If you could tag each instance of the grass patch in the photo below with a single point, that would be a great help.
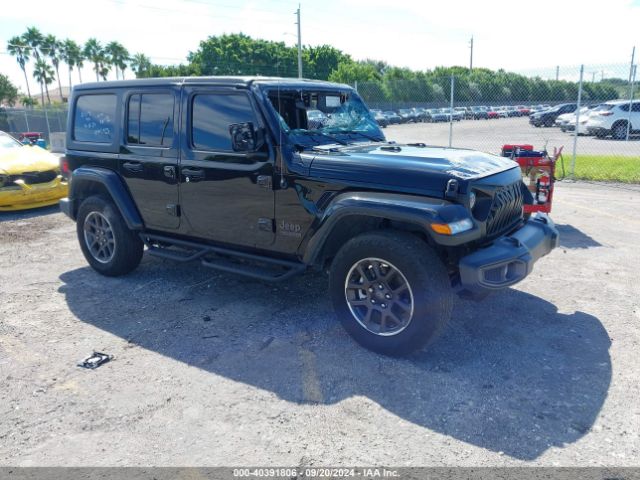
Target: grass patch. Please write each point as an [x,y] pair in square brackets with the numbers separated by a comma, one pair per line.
[603,168]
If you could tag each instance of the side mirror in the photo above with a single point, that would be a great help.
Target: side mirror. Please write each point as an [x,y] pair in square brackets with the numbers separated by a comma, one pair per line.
[245,137]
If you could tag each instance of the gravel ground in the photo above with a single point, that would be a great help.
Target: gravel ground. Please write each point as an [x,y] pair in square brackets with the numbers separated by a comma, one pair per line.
[490,135]
[212,369]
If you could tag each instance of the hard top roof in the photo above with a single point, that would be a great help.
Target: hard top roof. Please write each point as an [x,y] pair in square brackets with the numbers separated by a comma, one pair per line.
[221,81]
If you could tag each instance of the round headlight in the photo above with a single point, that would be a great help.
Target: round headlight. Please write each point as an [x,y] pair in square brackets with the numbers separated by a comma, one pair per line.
[472,199]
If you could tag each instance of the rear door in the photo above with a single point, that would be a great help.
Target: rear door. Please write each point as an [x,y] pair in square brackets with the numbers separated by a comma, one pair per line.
[149,155]
[225,196]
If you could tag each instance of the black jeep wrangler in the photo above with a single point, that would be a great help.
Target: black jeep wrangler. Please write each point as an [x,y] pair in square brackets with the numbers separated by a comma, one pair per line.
[235,173]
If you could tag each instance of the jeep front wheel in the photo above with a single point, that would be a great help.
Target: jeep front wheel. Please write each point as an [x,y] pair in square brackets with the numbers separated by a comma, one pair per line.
[391,292]
[106,242]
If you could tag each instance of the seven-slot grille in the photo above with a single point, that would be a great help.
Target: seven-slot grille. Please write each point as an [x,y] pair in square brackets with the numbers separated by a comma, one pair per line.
[506,208]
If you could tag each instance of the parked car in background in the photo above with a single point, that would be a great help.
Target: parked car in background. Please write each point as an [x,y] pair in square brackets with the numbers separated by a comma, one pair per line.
[29,176]
[546,118]
[407,115]
[492,113]
[380,118]
[613,118]
[479,113]
[392,117]
[456,116]
[512,111]
[462,111]
[437,115]
[524,111]
[421,114]
[316,118]
[567,121]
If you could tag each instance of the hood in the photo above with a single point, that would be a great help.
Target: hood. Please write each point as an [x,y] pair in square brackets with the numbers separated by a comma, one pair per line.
[419,169]
[26,159]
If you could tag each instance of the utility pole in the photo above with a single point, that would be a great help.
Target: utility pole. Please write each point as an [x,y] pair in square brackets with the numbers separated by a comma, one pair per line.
[557,73]
[299,44]
[471,58]
[633,57]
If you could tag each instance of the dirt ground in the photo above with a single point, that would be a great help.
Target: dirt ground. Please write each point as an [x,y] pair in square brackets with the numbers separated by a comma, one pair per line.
[212,369]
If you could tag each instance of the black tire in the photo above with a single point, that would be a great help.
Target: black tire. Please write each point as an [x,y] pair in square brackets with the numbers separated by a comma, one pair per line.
[127,246]
[619,131]
[429,290]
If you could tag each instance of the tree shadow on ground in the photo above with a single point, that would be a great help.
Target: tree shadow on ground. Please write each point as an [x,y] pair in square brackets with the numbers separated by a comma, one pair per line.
[510,374]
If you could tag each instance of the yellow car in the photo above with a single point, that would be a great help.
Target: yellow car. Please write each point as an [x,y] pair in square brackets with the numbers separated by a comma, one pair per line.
[29,176]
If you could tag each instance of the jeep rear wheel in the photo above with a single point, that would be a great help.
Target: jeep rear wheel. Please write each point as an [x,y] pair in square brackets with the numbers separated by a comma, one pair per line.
[106,242]
[391,292]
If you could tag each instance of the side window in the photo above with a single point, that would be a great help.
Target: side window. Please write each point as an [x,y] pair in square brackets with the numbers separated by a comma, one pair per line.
[94,118]
[635,107]
[624,107]
[211,116]
[150,119]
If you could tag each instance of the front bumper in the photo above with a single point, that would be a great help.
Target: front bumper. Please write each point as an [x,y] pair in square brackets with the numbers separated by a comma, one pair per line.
[510,258]
[32,196]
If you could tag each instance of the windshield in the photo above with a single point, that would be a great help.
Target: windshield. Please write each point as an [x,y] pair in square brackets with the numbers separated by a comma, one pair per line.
[7,142]
[322,116]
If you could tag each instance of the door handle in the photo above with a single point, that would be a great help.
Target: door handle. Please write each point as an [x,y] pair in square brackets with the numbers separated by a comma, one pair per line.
[169,171]
[133,166]
[192,174]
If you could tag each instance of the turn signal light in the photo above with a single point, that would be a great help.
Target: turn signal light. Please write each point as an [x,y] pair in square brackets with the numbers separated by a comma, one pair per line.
[453,227]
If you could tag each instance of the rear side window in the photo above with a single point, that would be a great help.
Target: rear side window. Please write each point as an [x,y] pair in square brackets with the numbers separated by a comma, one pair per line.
[150,119]
[94,118]
[211,116]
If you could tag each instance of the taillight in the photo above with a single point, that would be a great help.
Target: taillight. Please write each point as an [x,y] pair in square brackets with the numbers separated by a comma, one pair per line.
[64,167]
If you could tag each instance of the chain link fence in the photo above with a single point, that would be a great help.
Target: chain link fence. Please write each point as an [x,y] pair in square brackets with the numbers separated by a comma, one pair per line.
[545,109]
[484,110]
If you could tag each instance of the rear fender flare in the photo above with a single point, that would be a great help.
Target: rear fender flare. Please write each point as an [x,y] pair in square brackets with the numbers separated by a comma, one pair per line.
[83,177]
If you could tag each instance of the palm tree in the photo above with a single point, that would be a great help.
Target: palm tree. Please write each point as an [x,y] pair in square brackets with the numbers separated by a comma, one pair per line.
[140,64]
[33,37]
[118,56]
[43,73]
[19,49]
[93,51]
[52,48]
[79,60]
[71,53]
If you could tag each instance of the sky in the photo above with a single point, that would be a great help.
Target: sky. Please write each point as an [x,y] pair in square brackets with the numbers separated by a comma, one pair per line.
[528,37]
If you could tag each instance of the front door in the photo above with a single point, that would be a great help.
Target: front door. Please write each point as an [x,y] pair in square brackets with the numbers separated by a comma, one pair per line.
[149,156]
[225,196]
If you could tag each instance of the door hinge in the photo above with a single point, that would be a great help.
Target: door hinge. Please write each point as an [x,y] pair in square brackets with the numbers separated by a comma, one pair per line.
[266,224]
[173,209]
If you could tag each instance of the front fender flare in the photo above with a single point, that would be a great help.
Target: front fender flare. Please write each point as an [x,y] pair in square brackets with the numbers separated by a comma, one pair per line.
[410,209]
[114,186]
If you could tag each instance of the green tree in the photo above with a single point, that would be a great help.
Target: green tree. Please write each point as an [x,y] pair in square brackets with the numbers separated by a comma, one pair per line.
[8,91]
[33,37]
[19,48]
[43,73]
[52,48]
[140,64]
[118,56]
[94,52]
[71,54]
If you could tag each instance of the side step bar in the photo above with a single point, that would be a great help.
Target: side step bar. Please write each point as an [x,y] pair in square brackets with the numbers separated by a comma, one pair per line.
[276,271]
